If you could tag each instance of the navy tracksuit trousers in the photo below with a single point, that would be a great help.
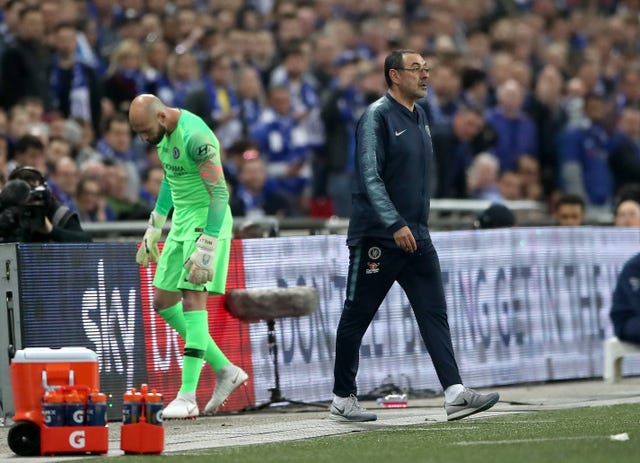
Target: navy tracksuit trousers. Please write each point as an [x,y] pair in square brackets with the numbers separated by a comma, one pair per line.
[372,271]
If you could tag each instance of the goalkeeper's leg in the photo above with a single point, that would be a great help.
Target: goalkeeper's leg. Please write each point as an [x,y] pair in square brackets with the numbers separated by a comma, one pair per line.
[175,317]
[197,337]
[167,301]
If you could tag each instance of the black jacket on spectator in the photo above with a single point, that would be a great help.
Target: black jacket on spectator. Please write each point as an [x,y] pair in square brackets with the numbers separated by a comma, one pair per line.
[452,156]
[550,123]
[624,162]
[95,93]
[24,69]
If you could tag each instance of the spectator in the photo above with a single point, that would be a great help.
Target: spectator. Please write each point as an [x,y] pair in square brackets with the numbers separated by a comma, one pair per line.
[624,159]
[157,70]
[125,77]
[256,195]
[474,88]
[341,107]
[627,214]
[251,98]
[24,63]
[235,156]
[516,132]
[96,169]
[569,210]
[528,168]
[482,178]
[550,117]
[625,302]
[184,76]
[56,149]
[215,100]
[151,181]
[10,23]
[283,142]
[74,86]
[453,152]
[441,102]
[29,151]
[584,158]
[63,182]
[510,186]
[124,206]
[91,202]
[325,52]
[629,94]
[115,145]
[85,149]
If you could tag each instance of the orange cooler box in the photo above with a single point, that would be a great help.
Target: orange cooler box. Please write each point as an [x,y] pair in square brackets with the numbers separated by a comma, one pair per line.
[34,368]
[37,369]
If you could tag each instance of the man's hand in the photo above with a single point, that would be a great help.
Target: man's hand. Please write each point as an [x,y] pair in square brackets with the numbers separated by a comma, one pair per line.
[404,239]
[200,263]
[148,250]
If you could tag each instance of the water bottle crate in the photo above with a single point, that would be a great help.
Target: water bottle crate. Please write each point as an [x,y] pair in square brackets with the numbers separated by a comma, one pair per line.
[74,439]
[141,438]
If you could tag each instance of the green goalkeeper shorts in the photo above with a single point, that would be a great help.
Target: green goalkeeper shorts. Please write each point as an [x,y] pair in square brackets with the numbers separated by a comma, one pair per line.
[171,276]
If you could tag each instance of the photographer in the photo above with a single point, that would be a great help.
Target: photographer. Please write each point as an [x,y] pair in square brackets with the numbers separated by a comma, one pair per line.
[30,214]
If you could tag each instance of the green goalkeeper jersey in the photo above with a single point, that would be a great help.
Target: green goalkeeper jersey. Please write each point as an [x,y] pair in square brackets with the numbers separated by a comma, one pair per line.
[198,207]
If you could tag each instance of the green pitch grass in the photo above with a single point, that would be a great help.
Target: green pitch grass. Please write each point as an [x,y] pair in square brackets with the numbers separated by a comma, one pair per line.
[580,435]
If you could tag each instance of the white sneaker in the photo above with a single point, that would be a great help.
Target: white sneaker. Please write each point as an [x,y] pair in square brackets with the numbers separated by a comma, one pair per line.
[182,407]
[228,379]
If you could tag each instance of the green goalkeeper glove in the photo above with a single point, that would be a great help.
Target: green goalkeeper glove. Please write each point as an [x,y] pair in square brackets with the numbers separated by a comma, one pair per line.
[148,250]
[200,263]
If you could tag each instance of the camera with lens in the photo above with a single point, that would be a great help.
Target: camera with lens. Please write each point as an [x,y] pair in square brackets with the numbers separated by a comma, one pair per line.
[34,211]
[29,213]
[22,210]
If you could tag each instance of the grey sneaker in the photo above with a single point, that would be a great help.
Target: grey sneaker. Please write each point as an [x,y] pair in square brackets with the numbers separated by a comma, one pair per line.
[228,379]
[469,402]
[348,409]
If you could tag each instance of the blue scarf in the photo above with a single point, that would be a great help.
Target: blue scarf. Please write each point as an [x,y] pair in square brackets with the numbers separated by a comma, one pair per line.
[79,101]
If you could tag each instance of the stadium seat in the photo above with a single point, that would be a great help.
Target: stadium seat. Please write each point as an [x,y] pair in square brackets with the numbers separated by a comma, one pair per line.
[614,351]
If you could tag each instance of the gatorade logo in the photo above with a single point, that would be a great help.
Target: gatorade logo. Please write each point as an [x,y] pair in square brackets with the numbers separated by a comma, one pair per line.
[77,439]
[159,416]
[78,416]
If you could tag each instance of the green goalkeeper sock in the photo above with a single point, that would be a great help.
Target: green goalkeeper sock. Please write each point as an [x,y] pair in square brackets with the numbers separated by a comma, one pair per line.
[194,348]
[174,316]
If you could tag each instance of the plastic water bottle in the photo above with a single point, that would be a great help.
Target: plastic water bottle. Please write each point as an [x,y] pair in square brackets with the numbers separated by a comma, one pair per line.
[131,406]
[74,409]
[53,408]
[153,407]
[97,409]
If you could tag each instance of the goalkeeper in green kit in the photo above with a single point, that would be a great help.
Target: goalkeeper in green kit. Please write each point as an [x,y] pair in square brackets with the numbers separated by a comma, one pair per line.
[195,256]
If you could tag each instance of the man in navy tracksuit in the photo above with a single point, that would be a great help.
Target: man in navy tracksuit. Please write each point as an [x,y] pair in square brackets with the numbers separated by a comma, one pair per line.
[625,303]
[389,240]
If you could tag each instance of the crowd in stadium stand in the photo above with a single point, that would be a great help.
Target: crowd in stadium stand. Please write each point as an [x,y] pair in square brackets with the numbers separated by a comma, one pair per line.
[528,99]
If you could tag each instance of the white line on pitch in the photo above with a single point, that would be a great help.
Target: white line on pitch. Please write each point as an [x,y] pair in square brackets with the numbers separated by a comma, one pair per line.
[411,428]
[526,441]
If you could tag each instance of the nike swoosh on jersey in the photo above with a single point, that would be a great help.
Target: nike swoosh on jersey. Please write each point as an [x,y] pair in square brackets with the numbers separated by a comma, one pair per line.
[400,133]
